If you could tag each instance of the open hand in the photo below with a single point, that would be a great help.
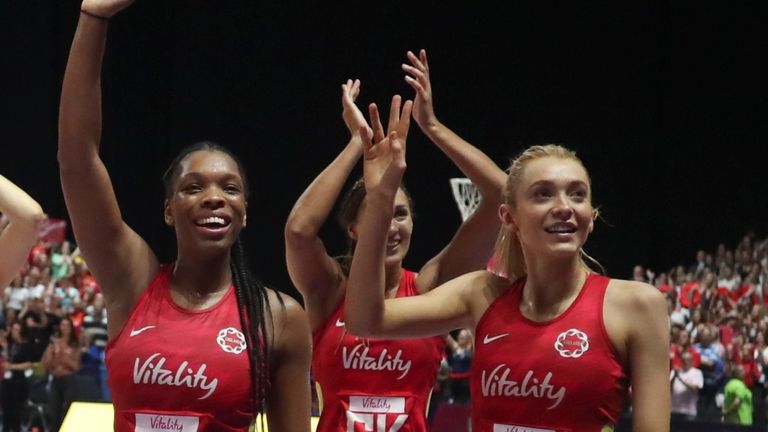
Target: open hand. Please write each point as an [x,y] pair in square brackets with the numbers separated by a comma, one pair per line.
[384,155]
[353,117]
[418,79]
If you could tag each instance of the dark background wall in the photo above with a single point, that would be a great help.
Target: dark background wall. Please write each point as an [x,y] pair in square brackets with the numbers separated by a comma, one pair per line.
[666,102]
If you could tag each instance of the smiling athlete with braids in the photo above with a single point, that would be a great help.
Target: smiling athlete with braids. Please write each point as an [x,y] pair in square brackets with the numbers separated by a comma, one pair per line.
[198,344]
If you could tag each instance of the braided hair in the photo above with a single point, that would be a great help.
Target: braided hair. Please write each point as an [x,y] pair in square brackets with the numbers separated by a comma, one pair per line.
[252,297]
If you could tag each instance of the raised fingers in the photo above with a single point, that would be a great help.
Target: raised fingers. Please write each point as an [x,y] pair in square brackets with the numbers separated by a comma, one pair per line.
[405,121]
[378,129]
[394,113]
[354,88]
[365,136]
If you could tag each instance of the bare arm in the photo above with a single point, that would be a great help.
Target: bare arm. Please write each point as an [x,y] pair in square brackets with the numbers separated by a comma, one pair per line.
[314,273]
[366,311]
[47,359]
[25,218]
[288,401]
[451,342]
[118,257]
[471,246]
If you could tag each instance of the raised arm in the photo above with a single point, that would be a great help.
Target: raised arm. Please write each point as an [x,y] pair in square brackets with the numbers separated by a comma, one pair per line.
[471,246]
[25,218]
[314,273]
[366,312]
[118,257]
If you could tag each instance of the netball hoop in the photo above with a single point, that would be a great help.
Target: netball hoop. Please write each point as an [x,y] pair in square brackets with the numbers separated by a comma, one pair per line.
[466,195]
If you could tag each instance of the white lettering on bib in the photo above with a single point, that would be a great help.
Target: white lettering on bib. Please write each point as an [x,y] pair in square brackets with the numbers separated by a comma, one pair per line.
[376,414]
[512,428]
[165,423]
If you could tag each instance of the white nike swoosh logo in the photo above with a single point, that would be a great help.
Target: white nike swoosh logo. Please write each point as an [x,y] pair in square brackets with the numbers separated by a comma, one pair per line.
[135,332]
[487,339]
[339,322]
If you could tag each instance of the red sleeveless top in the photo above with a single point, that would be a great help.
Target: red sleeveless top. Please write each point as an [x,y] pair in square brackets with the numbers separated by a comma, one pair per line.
[173,369]
[559,375]
[374,384]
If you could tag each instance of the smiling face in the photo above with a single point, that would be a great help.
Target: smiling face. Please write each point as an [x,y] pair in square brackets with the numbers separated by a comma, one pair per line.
[552,211]
[207,204]
[399,232]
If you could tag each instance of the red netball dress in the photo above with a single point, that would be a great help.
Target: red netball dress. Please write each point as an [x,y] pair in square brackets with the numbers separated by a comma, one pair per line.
[175,369]
[559,375]
[373,384]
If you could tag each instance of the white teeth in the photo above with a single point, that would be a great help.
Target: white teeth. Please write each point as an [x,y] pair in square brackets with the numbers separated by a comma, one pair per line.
[561,229]
[211,220]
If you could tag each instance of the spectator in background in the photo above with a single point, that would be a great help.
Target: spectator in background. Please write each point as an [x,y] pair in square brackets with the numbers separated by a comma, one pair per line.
[11,316]
[61,261]
[712,371]
[17,367]
[68,292]
[38,327]
[95,322]
[639,274]
[728,329]
[663,283]
[678,315]
[680,345]
[16,293]
[700,263]
[461,350]
[737,406]
[94,331]
[727,278]
[441,393]
[695,324]
[62,360]
[687,380]
[752,373]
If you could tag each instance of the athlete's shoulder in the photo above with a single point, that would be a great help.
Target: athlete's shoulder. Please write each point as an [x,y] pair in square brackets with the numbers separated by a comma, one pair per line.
[282,306]
[289,322]
[636,301]
[635,293]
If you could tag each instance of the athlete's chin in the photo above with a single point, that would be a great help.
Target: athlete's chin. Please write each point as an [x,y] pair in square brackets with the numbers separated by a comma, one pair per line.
[394,259]
[564,250]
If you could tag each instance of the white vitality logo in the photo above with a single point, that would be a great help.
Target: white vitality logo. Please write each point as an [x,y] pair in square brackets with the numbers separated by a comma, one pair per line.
[376,413]
[498,383]
[164,423]
[153,372]
[358,358]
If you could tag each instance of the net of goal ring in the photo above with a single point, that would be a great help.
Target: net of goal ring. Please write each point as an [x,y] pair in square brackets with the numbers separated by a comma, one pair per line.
[466,195]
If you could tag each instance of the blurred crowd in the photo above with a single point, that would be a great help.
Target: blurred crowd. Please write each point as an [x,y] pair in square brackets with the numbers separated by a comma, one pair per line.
[53,332]
[718,329]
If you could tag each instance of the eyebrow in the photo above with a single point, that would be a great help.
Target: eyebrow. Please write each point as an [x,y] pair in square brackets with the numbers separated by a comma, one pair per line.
[550,182]
[199,175]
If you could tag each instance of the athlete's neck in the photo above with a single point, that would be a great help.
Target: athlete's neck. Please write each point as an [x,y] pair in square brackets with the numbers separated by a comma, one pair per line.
[392,274]
[551,286]
[201,282]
